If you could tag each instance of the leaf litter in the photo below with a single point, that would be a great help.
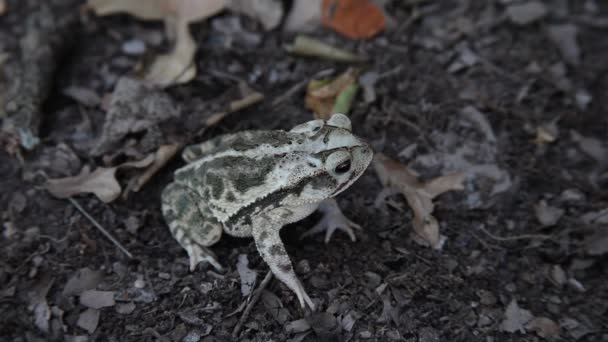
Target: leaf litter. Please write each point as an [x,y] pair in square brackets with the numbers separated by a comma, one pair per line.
[419,195]
[328,96]
[177,66]
[101,182]
[248,276]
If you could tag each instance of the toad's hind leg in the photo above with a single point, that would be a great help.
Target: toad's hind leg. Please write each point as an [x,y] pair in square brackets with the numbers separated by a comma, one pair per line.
[191,224]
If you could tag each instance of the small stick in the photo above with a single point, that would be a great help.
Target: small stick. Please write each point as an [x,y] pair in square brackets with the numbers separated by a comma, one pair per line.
[101,229]
[254,300]
[516,237]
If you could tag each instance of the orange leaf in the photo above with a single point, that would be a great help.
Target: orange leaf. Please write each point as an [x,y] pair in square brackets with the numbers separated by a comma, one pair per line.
[356,19]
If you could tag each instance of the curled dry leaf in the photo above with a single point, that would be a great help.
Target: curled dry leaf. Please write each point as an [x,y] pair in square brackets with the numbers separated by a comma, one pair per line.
[322,95]
[162,156]
[101,182]
[419,195]
[356,19]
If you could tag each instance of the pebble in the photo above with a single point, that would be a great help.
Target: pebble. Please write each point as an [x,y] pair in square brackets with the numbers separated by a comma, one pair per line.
[134,47]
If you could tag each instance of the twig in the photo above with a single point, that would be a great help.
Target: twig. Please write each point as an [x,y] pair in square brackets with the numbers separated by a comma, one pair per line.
[101,229]
[252,303]
[516,237]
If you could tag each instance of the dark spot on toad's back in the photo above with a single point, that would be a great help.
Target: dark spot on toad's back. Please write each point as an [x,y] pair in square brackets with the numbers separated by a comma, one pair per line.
[216,184]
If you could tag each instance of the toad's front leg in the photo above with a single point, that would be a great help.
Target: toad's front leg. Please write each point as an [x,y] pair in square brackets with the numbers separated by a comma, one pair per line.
[268,242]
[333,219]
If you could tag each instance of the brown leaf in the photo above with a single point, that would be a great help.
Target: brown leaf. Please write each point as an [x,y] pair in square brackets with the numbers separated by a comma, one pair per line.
[2,7]
[419,195]
[101,182]
[321,94]
[544,327]
[356,19]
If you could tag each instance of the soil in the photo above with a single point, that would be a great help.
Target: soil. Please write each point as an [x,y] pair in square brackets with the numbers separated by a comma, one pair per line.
[499,266]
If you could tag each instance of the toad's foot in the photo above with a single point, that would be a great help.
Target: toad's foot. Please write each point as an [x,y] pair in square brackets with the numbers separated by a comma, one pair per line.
[333,219]
[198,253]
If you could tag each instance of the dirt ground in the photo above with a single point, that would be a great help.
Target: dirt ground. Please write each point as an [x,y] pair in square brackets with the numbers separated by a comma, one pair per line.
[524,257]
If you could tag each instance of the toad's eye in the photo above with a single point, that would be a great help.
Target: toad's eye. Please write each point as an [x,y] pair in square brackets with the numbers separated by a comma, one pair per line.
[343,167]
[316,129]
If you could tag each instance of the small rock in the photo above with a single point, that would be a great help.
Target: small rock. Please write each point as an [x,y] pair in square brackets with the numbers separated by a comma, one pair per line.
[134,47]
[564,37]
[583,98]
[547,215]
[132,223]
[83,279]
[486,297]
[572,195]
[164,276]
[139,283]
[365,334]
[557,275]
[88,320]
[526,13]
[97,299]
[124,308]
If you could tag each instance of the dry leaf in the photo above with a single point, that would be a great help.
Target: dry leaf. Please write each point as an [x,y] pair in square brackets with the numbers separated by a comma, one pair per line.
[163,155]
[133,108]
[247,275]
[419,195]
[177,66]
[544,327]
[305,16]
[321,94]
[101,182]
[2,7]
[268,12]
[356,19]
